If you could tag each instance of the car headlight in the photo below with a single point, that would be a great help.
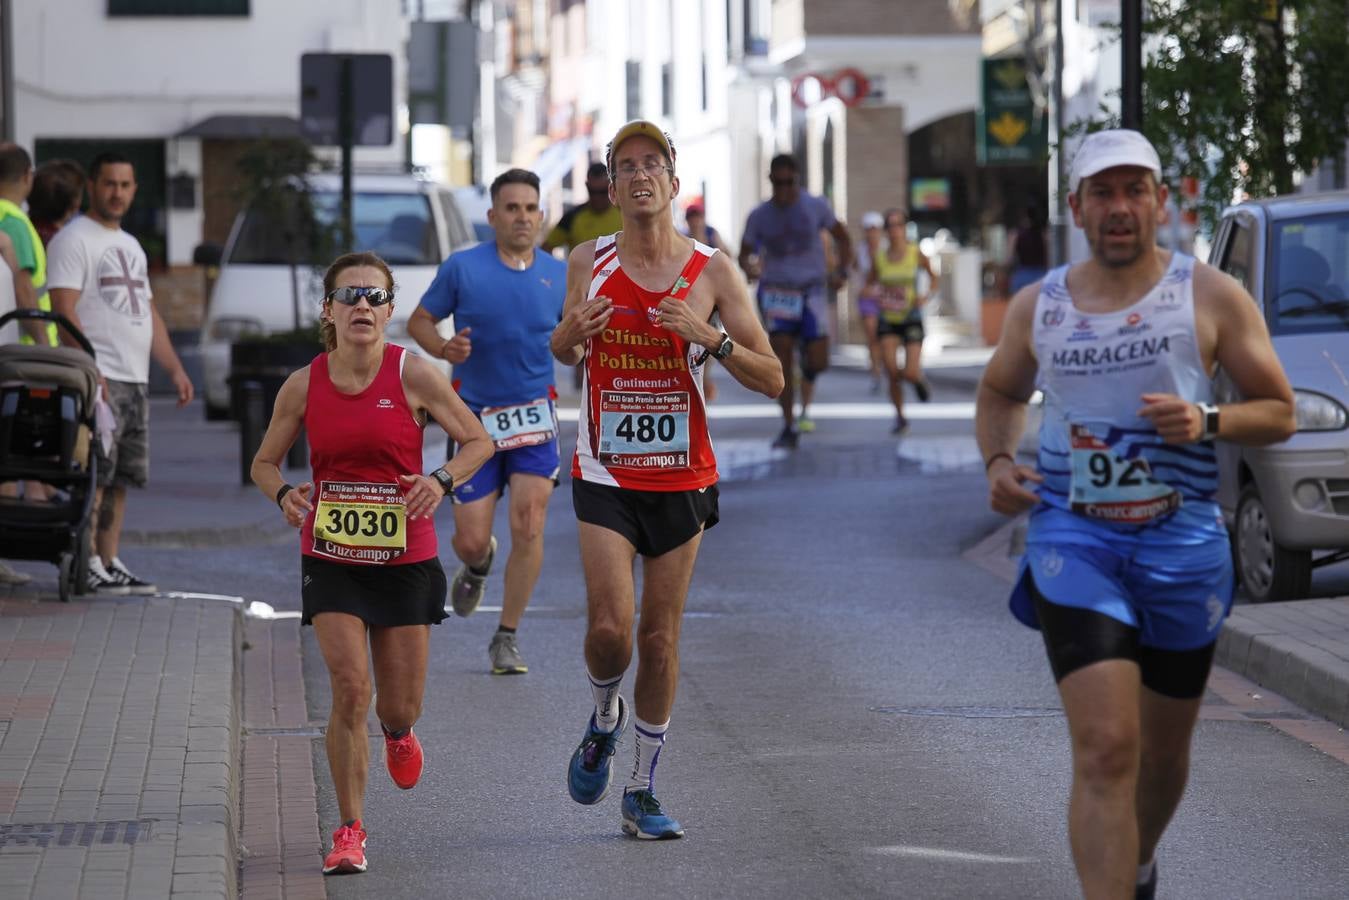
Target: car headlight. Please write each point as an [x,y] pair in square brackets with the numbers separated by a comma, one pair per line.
[228,329]
[1317,412]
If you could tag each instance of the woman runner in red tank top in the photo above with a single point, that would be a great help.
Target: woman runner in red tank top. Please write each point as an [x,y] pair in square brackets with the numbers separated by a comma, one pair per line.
[371,580]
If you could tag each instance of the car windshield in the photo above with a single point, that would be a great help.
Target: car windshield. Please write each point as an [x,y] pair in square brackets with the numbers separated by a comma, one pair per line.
[1309,275]
[397,226]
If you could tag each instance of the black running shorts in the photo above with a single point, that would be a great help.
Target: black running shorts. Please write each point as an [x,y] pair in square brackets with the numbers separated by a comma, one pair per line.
[655,522]
[386,596]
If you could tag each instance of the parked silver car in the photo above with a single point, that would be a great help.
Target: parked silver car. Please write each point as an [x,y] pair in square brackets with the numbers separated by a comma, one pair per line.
[1287,506]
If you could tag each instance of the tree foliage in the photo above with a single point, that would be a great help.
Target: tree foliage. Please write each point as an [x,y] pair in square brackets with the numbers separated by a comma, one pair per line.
[1242,101]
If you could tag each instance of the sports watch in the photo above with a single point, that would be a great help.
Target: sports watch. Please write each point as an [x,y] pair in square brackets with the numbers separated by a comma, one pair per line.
[1209,412]
[445,478]
[724,348]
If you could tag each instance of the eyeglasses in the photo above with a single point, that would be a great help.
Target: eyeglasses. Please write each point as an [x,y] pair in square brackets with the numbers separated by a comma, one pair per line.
[651,168]
[350,296]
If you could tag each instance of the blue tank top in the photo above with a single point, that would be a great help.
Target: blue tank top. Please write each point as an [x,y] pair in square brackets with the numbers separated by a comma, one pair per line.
[1100,459]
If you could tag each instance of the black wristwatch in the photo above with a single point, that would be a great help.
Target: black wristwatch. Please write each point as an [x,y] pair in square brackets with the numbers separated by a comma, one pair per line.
[445,478]
[724,348]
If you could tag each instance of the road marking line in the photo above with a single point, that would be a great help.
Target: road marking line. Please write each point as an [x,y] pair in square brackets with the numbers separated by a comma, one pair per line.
[953,855]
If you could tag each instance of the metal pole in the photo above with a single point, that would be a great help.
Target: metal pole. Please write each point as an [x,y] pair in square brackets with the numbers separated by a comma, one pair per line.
[1131,56]
[7,130]
[346,114]
[1060,167]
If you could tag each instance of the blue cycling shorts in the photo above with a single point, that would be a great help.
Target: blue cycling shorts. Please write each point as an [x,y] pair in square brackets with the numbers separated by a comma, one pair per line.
[1175,592]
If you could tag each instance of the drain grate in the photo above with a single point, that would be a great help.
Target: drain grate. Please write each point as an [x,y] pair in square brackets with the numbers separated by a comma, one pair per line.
[75,834]
[972,712]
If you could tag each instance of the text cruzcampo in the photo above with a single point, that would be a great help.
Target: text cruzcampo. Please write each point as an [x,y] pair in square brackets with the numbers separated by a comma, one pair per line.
[1084,357]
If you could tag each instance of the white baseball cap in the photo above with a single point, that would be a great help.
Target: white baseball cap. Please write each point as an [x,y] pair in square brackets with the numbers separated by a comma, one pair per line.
[1115,147]
[873,219]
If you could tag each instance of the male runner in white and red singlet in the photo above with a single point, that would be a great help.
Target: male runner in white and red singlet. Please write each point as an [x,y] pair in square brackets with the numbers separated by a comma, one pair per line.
[644,477]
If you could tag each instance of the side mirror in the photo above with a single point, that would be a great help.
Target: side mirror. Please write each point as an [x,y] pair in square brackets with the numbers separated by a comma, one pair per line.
[208,254]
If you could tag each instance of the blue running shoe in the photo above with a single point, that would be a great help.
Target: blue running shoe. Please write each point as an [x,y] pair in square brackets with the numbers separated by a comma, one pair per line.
[643,818]
[592,765]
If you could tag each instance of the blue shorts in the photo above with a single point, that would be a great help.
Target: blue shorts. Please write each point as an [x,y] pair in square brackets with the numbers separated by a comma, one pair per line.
[813,322]
[495,474]
[543,460]
[1175,592]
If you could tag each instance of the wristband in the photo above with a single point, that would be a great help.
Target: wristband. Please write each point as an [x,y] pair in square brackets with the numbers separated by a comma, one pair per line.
[282,491]
[988,464]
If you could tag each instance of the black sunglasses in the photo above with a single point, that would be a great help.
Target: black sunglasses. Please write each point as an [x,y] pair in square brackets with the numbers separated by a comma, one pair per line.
[350,296]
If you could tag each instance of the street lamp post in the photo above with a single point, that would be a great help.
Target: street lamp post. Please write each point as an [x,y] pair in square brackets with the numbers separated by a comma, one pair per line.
[1131,53]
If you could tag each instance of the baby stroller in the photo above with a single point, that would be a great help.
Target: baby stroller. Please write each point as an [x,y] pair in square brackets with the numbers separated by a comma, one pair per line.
[46,423]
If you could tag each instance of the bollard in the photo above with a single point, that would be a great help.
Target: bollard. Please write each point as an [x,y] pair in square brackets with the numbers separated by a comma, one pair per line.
[252,424]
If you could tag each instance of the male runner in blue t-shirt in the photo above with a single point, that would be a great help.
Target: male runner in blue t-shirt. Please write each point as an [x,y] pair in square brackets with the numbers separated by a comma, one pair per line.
[506,299]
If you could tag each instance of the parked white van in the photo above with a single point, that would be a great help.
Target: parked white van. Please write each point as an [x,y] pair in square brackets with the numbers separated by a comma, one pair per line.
[412,223]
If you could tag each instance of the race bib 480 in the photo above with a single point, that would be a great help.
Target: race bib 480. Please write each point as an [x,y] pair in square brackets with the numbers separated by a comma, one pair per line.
[1106,486]
[364,522]
[646,431]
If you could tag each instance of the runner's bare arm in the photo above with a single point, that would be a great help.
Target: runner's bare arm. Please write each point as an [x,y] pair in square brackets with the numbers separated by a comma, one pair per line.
[1000,408]
[933,279]
[582,319]
[428,389]
[844,241]
[1231,327]
[752,362]
[287,417]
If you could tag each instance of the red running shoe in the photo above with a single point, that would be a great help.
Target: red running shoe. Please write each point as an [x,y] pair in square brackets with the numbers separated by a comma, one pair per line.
[403,756]
[348,853]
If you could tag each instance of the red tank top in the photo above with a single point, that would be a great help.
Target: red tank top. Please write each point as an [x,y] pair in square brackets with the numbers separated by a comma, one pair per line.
[643,424]
[359,445]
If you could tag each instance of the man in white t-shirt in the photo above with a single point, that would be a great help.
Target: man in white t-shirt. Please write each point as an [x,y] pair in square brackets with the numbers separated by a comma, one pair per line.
[99,279]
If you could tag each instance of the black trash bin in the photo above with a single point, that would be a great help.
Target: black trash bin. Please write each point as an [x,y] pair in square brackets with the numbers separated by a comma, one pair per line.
[265,365]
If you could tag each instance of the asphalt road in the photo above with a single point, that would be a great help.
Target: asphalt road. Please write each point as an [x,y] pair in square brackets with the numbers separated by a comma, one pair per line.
[858,715]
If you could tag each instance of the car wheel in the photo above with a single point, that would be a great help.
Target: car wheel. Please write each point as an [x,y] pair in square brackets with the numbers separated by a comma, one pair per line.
[1268,571]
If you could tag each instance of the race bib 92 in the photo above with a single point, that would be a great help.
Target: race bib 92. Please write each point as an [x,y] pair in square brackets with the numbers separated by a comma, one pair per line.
[1108,487]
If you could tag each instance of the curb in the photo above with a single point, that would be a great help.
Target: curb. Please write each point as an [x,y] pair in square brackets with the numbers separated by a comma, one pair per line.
[262,532]
[1295,649]
[206,853]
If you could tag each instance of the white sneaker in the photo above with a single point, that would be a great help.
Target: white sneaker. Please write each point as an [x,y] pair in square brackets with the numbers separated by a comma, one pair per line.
[10,577]
[100,582]
[122,575]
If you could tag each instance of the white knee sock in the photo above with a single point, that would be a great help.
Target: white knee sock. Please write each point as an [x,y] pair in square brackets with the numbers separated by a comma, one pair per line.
[606,701]
[649,739]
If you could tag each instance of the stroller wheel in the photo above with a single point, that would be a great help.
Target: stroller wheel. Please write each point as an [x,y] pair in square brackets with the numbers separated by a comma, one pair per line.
[67,578]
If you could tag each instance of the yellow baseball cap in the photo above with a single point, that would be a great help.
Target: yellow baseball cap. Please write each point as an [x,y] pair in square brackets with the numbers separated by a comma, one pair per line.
[639,128]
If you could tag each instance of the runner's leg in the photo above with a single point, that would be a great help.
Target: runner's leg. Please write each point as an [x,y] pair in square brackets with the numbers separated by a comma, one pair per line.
[665,585]
[869,325]
[814,360]
[472,538]
[606,557]
[1101,702]
[399,656]
[890,360]
[784,348]
[1167,726]
[528,506]
[342,640]
[913,362]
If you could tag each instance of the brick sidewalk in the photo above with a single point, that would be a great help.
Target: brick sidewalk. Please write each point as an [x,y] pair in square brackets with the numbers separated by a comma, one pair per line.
[119,737]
